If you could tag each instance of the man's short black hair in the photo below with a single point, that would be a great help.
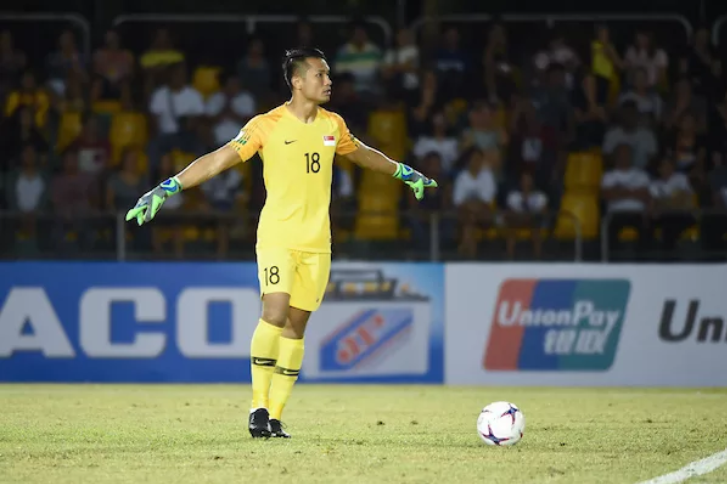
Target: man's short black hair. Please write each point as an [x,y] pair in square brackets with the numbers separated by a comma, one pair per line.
[295,59]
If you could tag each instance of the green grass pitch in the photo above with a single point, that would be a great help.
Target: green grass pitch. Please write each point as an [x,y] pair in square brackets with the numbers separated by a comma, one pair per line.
[351,434]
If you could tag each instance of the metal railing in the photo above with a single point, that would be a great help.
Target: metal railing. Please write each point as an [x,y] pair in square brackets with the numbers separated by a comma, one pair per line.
[73,18]
[250,21]
[107,235]
[550,19]
[697,213]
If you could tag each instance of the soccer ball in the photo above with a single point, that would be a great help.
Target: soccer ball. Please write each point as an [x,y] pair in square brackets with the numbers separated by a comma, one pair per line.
[501,423]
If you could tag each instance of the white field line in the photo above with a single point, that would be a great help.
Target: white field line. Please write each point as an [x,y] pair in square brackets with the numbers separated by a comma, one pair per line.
[697,468]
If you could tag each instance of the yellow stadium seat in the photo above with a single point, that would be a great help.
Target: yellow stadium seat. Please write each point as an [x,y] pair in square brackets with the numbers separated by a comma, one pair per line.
[106,107]
[127,129]
[584,171]
[70,127]
[206,80]
[389,131]
[585,209]
[377,219]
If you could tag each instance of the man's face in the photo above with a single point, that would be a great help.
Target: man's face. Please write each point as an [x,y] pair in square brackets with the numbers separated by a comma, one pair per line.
[315,83]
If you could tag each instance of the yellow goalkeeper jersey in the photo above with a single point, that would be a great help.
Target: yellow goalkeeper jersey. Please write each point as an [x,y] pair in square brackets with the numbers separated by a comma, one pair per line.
[297,170]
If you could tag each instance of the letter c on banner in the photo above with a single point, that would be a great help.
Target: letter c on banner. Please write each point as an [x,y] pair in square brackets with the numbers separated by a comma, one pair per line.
[95,322]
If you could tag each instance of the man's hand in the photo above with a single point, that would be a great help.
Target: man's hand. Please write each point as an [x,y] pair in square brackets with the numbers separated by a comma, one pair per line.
[150,203]
[416,181]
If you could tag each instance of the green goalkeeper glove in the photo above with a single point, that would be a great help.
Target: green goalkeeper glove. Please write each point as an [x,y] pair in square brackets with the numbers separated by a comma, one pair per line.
[416,181]
[150,203]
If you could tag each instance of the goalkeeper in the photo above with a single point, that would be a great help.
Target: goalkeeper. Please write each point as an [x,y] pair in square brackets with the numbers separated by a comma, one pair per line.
[297,142]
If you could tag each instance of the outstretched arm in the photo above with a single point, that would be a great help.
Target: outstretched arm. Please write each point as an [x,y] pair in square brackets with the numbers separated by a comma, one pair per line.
[207,166]
[372,159]
[243,147]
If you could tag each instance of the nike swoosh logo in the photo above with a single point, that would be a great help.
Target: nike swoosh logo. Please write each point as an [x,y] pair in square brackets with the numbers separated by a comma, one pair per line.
[288,142]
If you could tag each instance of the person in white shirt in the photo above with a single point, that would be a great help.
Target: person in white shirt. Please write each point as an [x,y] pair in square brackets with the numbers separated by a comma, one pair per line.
[401,64]
[474,195]
[645,55]
[625,190]
[441,142]
[640,138]
[648,103]
[526,206]
[673,198]
[229,109]
[177,108]
[29,192]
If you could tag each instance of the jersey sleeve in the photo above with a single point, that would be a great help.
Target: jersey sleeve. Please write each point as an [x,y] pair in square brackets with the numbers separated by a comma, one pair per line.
[250,139]
[347,142]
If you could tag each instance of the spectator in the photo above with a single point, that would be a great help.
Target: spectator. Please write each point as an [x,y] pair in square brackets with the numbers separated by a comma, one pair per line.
[67,61]
[126,183]
[648,103]
[229,109]
[177,107]
[452,64]
[29,191]
[688,147]
[254,71]
[559,53]
[440,141]
[401,66]
[683,100]
[21,131]
[73,196]
[346,102]
[644,56]
[590,117]
[605,62]
[625,190]
[529,149]
[12,63]
[74,97]
[474,194]
[499,69]
[30,95]
[113,66]
[552,103]
[361,58]
[672,198]
[419,212]
[160,55]
[526,207]
[304,33]
[696,65]
[430,100]
[94,150]
[223,193]
[484,135]
[640,138]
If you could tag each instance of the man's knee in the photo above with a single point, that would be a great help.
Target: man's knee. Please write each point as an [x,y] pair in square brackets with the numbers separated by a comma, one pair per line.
[275,309]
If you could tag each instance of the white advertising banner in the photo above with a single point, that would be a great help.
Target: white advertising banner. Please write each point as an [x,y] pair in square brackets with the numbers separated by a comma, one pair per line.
[589,325]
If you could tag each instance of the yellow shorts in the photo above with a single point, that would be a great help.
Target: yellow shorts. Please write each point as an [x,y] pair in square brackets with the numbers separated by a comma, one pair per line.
[303,275]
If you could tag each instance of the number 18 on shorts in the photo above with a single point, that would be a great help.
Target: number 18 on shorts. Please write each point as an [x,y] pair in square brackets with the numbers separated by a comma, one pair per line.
[303,275]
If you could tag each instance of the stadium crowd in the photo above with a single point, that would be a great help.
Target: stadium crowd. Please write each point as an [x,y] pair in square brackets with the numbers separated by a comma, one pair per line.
[579,125]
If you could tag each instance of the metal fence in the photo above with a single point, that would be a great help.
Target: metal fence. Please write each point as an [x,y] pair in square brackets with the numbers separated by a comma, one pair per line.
[406,235]
[693,230]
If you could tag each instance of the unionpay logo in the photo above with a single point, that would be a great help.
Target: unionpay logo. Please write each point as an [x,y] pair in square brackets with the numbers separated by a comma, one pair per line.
[556,324]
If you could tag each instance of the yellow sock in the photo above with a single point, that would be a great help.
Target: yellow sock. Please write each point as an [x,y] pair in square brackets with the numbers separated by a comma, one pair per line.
[290,359]
[263,357]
